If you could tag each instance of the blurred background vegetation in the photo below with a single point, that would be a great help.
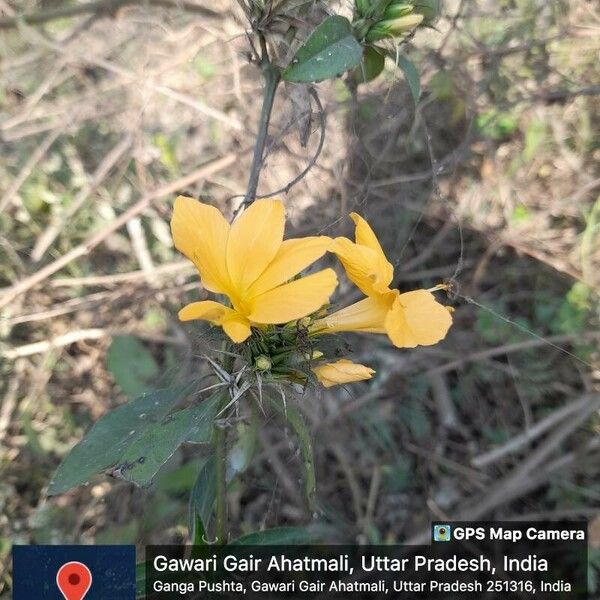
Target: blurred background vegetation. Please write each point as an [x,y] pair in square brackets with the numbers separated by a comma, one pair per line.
[491,181]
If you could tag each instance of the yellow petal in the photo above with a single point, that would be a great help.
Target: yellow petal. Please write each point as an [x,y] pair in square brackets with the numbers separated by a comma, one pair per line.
[342,371]
[200,232]
[367,315]
[362,265]
[293,300]
[237,327]
[207,310]
[417,319]
[254,240]
[365,236]
[293,256]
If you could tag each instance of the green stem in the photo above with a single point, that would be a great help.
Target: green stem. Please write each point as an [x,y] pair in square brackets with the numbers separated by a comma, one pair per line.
[220,445]
[220,441]
[272,78]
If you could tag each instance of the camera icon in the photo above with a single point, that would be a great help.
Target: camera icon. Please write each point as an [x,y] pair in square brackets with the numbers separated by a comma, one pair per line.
[442,533]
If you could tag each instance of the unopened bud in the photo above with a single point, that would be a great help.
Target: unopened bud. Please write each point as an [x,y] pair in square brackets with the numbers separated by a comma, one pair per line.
[397,10]
[393,27]
[314,355]
[263,363]
[362,6]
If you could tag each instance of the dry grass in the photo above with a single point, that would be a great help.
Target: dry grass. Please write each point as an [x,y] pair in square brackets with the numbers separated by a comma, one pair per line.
[492,181]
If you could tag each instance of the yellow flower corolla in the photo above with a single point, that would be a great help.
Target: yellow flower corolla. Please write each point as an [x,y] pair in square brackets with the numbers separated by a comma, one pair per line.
[251,264]
[342,371]
[410,319]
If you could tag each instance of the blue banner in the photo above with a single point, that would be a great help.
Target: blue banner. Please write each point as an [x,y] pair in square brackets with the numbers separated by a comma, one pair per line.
[103,572]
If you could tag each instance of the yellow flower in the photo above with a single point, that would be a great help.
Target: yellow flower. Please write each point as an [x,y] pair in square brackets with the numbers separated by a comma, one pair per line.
[342,371]
[249,263]
[410,319]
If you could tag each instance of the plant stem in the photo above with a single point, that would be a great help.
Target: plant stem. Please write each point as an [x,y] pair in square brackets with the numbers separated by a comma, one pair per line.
[220,446]
[220,441]
[272,78]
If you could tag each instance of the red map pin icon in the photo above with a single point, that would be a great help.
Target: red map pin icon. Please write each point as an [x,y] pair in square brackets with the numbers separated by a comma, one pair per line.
[74,580]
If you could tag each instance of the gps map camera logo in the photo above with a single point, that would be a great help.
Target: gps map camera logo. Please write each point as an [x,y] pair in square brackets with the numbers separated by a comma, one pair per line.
[74,572]
[442,533]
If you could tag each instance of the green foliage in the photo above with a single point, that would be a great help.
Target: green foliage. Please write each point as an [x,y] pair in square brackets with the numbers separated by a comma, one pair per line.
[395,10]
[146,455]
[109,440]
[330,50]
[131,364]
[575,311]
[177,481]
[520,214]
[120,534]
[371,66]
[202,500]
[497,125]
[282,536]
[411,75]
[297,423]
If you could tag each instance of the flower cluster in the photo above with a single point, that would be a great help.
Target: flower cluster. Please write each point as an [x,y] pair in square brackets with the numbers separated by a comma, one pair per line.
[377,20]
[278,316]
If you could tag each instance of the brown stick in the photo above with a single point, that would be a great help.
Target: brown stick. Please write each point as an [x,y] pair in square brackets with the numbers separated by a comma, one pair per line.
[106,164]
[552,340]
[28,167]
[86,247]
[101,7]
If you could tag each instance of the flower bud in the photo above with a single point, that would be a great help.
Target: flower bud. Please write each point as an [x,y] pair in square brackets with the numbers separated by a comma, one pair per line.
[314,355]
[397,10]
[392,28]
[342,371]
[362,6]
[263,363]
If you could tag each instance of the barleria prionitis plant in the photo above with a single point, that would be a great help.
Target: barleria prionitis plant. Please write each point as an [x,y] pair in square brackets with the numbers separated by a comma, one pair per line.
[279,334]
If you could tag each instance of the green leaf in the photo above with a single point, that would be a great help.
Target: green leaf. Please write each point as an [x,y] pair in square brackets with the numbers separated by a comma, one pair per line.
[330,50]
[131,364]
[202,498]
[411,75]
[281,536]
[109,438]
[296,421]
[371,66]
[151,450]
[199,534]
